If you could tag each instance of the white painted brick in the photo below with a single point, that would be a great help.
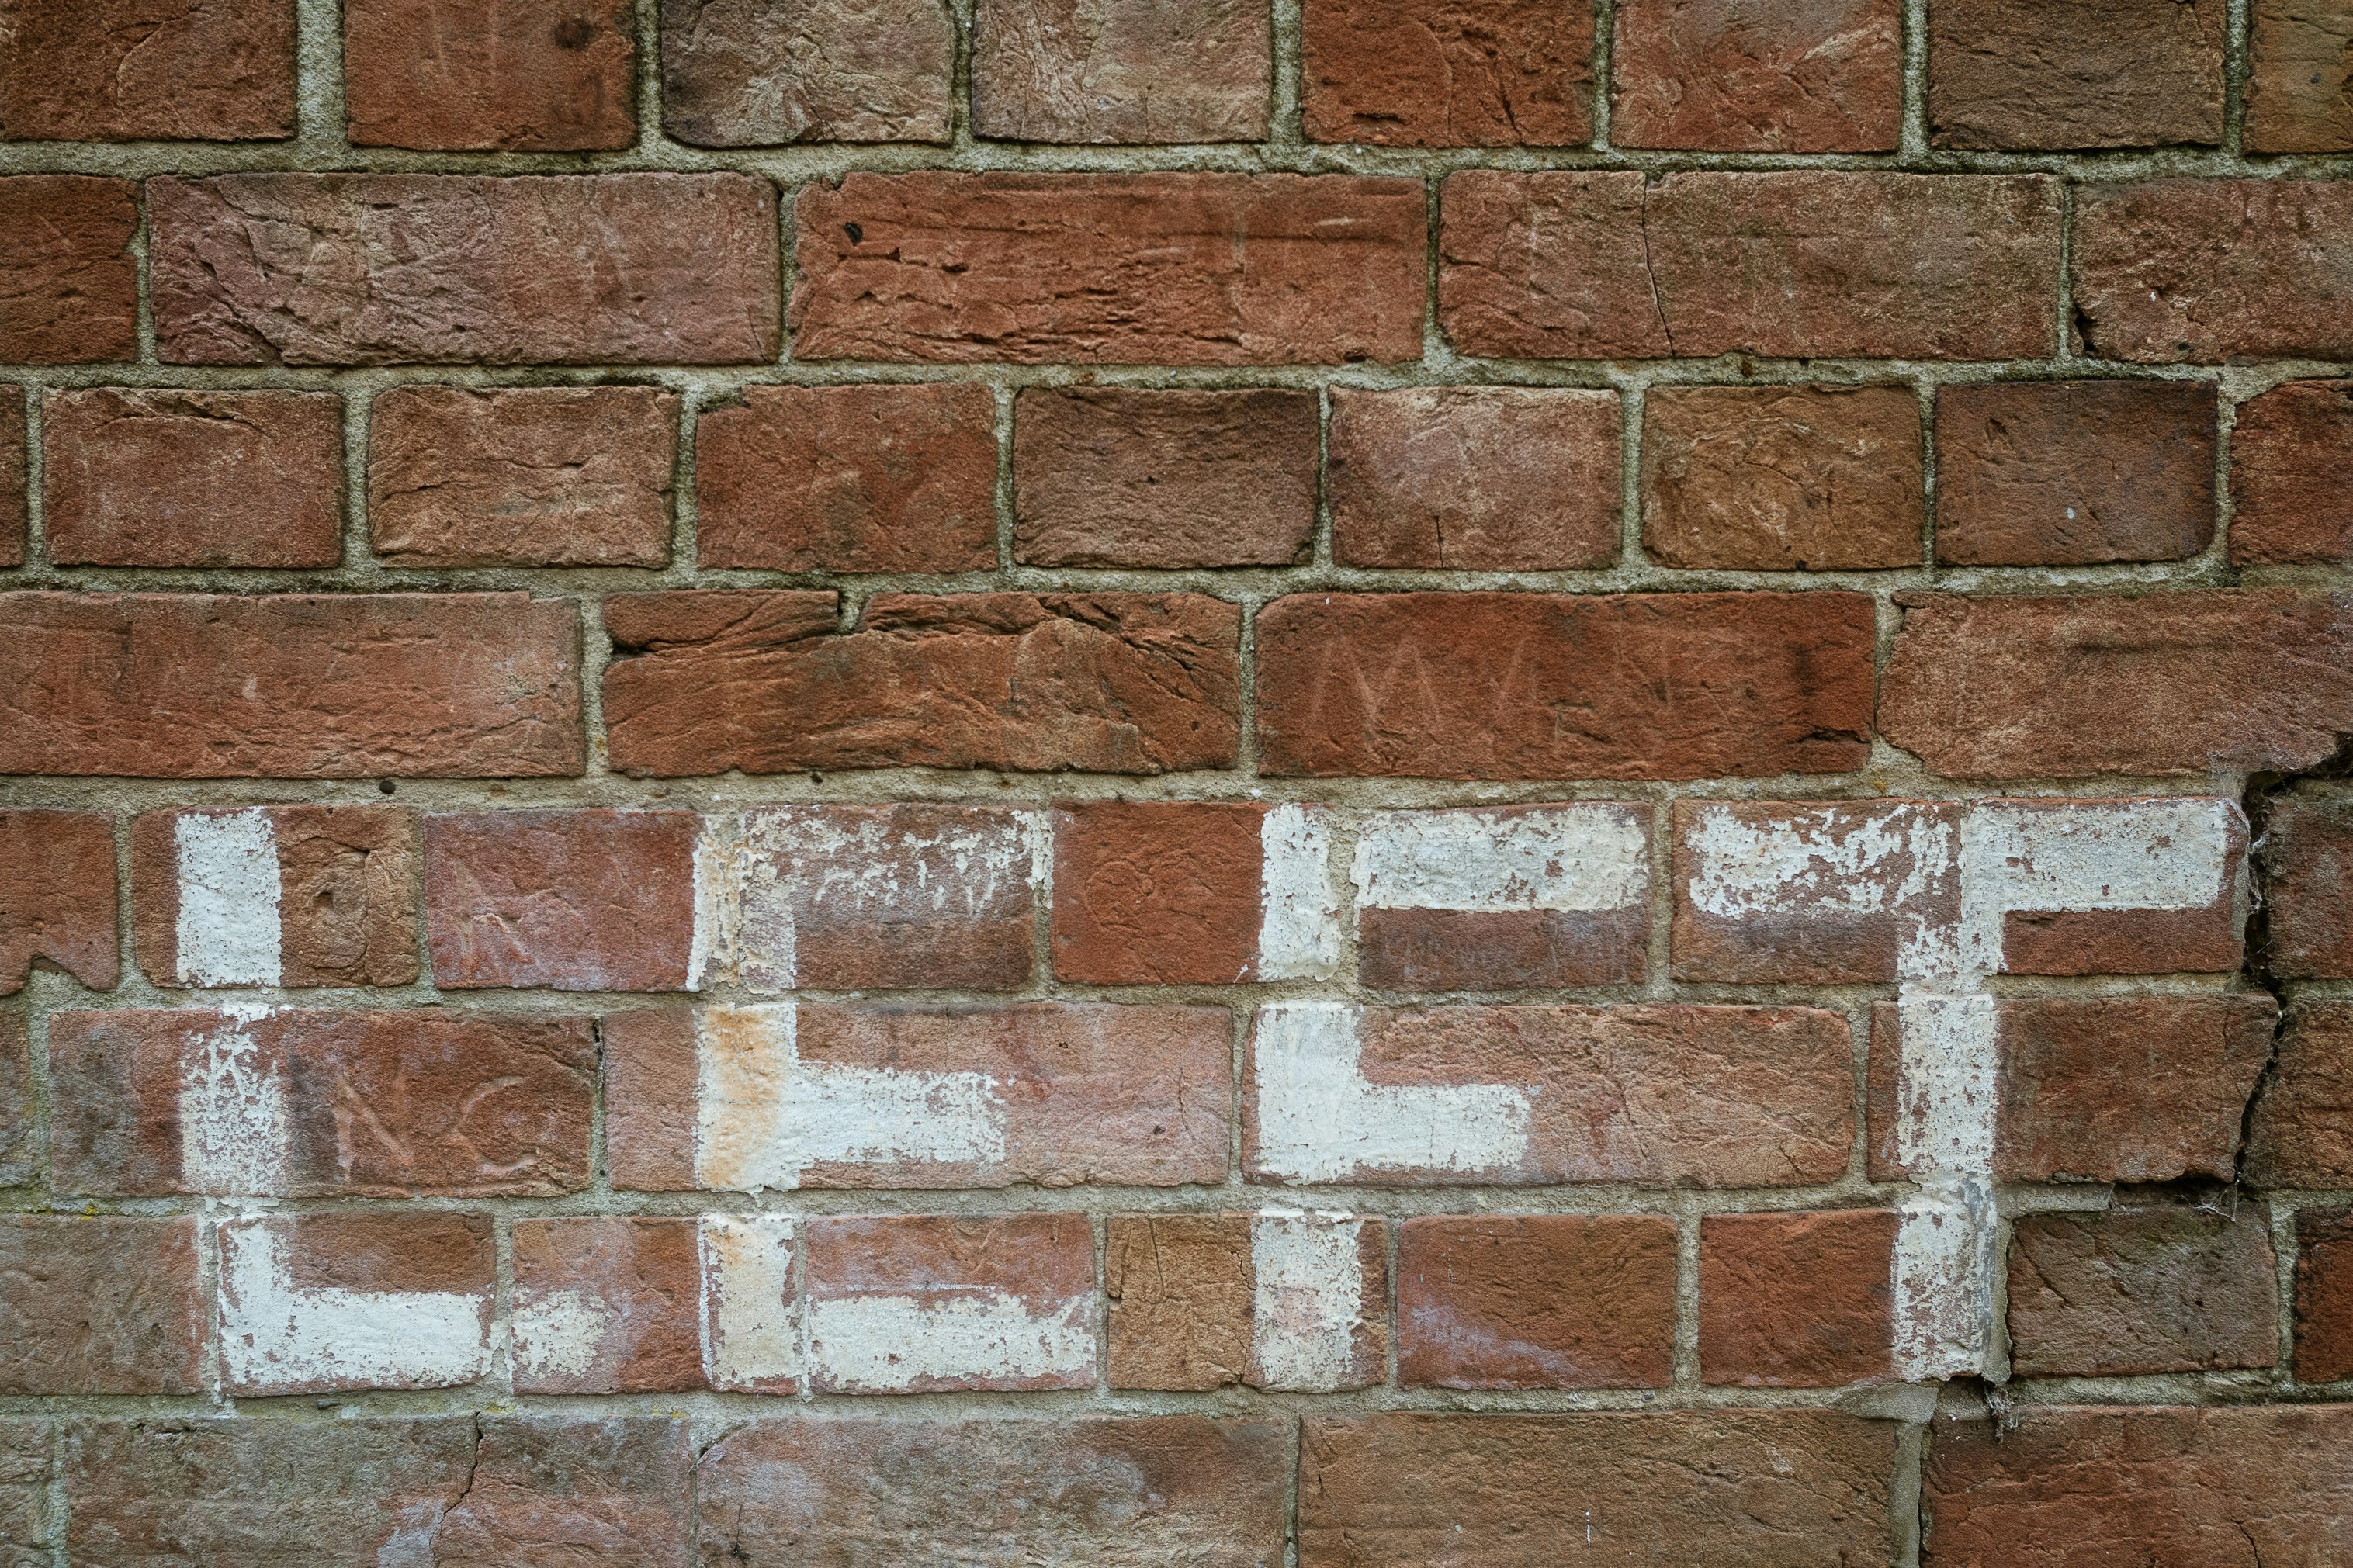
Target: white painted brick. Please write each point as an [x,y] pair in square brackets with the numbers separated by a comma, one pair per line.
[229,931]
[1319,1119]
[1584,857]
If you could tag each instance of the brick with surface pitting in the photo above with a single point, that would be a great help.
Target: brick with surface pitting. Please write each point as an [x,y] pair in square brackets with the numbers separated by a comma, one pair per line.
[1156,893]
[2289,453]
[2299,1136]
[2152,284]
[2300,77]
[543,476]
[148,70]
[635,268]
[315,1303]
[1770,479]
[1758,76]
[1278,1299]
[1168,268]
[768,682]
[2135,1290]
[2075,73]
[1513,1490]
[1465,73]
[508,76]
[1465,684]
[57,897]
[138,477]
[14,478]
[1536,1300]
[2308,890]
[1796,1300]
[100,1304]
[607,1304]
[68,285]
[329,1103]
[849,478]
[1483,479]
[579,900]
[1121,70]
[1115,477]
[750,73]
[17,1129]
[2180,683]
[2324,1295]
[1791,263]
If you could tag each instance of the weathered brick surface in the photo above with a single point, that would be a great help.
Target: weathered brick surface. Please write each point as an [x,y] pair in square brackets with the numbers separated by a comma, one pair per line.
[1276,1299]
[2308,861]
[510,76]
[2208,270]
[91,1304]
[2075,73]
[57,897]
[1156,895]
[579,900]
[608,1306]
[744,73]
[1796,1300]
[1758,76]
[1537,1301]
[14,476]
[307,1300]
[2140,1290]
[141,70]
[2298,1136]
[19,1138]
[1468,73]
[2324,1295]
[69,286]
[2300,77]
[1121,70]
[2287,447]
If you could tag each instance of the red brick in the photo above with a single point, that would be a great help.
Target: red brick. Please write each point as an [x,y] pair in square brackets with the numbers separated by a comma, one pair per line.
[68,285]
[579,900]
[1111,477]
[342,902]
[1758,76]
[607,1305]
[2153,1487]
[2001,687]
[1276,1299]
[1121,70]
[850,478]
[288,1287]
[30,1518]
[1119,1492]
[768,682]
[510,76]
[547,1492]
[744,73]
[19,1134]
[148,70]
[1536,1300]
[2133,1290]
[1472,685]
[1168,268]
[1796,1300]
[1793,264]
[57,897]
[634,268]
[2300,77]
[1465,73]
[1772,478]
[2324,1295]
[2299,1135]
[924,1304]
[2157,281]
[2074,473]
[1402,1490]
[2288,458]
[94,1304]
[1157,894]
[2308,890]
[549,476]
[140,478]
[13,475]
[2075,73]
[387,1104]
[1482,478]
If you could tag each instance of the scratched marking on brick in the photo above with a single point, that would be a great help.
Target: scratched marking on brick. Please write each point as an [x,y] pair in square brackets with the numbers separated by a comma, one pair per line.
[1307,1304]
[280,1335]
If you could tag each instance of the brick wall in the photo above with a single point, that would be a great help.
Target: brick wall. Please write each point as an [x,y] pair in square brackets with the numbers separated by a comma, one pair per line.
[1351,782]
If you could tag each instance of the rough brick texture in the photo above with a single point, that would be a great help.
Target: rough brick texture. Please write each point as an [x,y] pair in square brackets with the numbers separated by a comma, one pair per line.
[69,286]
[1468,73]
[2140,1290]
[140,70]
[1796,1300]
[57,897]
[13,511]
[744,73]
[2286,508]
[2075,73]
[2308,855]
[2300,77]
[510,76]
[1537,1301]
[1758,76]
[1121,70]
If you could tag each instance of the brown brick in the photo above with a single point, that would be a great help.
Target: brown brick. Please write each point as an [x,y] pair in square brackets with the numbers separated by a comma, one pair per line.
[1472,685]
[31,1521]
[2074,473]
[599,269]
[13,475]
[1112,476]
[768,682]
[57,897]
[2289,453]
[1156,893]
[1194,1305]
[2134,1290]
[1793,263]
[1466,73]
[2308,890]
[1168,268]
[68,285]
[1796,1300]
[548,476]
[579,900]
[2300,77]
[1758,76]
[19,1142]
[1121,70]
[1771,478]
[2004,687]
[1536,1300]
[748,73]
[2151,283]
[387,1104]
[508,76]
[291,686]
[93,1304]
[1511,1490]
[1482,478]
[288,1284]
[2075,73]
[140,478]
[547,1492]
[2324,1295]
[1156,1490]
[850,478]
[148,70]
[2300,1135]
[607,1305]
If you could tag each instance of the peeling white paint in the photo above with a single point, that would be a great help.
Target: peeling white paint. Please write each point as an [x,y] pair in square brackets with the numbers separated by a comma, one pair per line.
[1943,1279]
[2107,855]
[888,1344]
[229,931]
[751,1329]
[557,1333]
[1319,1119]
[276,1334]
[1810,860]
[236,1131]
[1299,931]
[714,955]
[1566,857]
[1308,1299]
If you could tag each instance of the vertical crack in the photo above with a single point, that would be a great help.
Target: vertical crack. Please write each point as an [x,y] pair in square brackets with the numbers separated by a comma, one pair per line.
[1650,272]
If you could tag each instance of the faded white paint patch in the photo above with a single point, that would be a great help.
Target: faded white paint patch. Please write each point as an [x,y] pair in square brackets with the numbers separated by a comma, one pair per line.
[764,1116]
[1943,1279]
[2103,855]
[1299,931]
[888,1344]
[1319,1119]
[714,955]
[1583,856]
[1814,861]
[557,1333]
[229,931]
[236,1132]
[1948,1083]
[751,1331]
[275,1334]
[1307,1299]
